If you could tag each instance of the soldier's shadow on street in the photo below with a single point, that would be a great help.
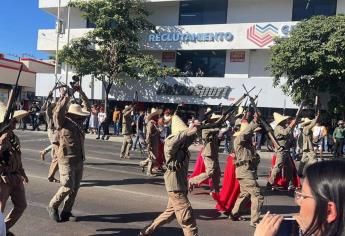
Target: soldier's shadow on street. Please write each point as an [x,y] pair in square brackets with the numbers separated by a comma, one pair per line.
[107,183]
[166,231]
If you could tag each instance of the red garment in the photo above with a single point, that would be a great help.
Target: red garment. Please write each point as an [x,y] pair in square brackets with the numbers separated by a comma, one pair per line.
[200,168]
[281,180]
[230,189]
[160,155]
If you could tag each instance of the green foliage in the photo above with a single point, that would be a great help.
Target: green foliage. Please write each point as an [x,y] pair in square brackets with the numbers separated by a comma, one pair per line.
[111,52]
[312,59]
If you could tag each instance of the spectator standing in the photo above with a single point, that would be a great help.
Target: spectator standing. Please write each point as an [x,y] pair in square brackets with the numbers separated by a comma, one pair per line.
[102,122]
[34,115]
[319,132]
[116,120]
[93,123]
[338,138]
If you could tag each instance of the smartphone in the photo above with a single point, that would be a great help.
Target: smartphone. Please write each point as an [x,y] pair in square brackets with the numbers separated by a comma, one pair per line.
[288,227]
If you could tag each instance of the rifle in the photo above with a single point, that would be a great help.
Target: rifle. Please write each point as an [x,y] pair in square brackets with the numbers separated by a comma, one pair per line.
[317,105]
[227,114]
[266,126]
[298,113]
[5,124]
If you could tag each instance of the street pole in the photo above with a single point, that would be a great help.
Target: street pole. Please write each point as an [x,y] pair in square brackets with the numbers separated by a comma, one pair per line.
[58,29]
[68,37]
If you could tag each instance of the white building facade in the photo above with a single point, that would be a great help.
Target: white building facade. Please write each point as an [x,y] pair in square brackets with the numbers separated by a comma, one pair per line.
[218,45]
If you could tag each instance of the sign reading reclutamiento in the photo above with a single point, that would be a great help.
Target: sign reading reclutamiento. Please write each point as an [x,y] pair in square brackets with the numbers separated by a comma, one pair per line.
[191,37]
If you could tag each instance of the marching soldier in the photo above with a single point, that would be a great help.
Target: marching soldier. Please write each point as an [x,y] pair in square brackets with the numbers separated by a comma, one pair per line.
[127,131]
[48,107]
[177,160]
[308,153]
[68,120]
[210,154]
[12,171]
[246,172]
[152,141]
[284,134]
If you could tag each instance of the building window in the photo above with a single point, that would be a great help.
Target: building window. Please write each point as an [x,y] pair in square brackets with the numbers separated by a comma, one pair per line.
[304,9]
[201,63]
[203,12]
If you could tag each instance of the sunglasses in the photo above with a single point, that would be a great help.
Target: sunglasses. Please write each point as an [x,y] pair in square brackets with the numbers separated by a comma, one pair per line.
[299,195]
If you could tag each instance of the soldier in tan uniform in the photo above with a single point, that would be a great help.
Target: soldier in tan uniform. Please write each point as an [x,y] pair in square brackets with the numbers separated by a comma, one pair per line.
[68,120]
[127,132]
[284,134]
[210,155]
[177,160]
[246,172]
[48,107]
[12,171]
[308,153]
[152,141]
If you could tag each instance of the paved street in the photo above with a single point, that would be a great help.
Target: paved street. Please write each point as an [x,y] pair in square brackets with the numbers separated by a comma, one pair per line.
[117,199]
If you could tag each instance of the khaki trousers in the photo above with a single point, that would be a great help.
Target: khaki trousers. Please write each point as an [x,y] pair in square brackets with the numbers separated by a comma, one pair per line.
[54,167]
[250,190]
[70,178]
[179,207]
[283,159]
[212,171]
[17,194]
[308,157]
[126,146]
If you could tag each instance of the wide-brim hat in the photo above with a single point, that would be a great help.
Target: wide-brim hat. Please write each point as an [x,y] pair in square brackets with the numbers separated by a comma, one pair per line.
[19,114]
[278,118]
[127,108]
[244,125]
[239,111]
[76,109]
[305,121]
[177,125]
[215,117]
[154,112]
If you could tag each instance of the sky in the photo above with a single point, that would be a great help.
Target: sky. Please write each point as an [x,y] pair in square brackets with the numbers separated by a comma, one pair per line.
[19,24]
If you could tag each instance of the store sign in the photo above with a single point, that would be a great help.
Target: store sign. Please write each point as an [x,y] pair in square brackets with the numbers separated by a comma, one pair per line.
[197,91]
[237,56]
[191,37]
[168,57]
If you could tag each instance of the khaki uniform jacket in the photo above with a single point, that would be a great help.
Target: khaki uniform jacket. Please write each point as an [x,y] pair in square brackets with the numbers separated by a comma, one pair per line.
[13,169]
[177,157]
[284,136]
[307,135]
[127,122]
[211,143]
[152,137]
[245,154]
[71,135]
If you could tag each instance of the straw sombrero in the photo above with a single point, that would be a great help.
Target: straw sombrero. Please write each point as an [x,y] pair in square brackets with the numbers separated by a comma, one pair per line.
[76,109]
[19,114]
[215,117]
[305,121]
[177,125]
[244,125]
[239,111]
[279,118]
[154,112]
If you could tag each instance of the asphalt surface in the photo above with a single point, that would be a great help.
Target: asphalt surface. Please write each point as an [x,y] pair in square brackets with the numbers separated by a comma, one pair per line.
[117,199]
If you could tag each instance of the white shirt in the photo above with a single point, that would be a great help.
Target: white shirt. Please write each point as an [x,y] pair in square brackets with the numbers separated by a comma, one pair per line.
[101,117]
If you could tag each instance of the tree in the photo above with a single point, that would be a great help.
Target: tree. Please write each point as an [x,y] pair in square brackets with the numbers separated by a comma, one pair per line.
[312,60]
[111,51]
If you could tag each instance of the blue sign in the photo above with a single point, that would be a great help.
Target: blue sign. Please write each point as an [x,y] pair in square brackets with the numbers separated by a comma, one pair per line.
[191,37]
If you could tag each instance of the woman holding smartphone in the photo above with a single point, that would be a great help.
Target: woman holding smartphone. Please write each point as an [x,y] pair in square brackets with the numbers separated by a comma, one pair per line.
[321,201]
